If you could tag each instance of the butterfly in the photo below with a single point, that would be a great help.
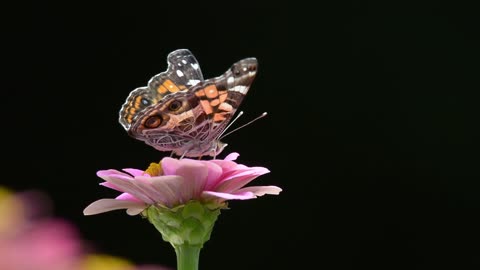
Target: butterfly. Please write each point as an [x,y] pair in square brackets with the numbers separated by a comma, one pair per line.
[180,112]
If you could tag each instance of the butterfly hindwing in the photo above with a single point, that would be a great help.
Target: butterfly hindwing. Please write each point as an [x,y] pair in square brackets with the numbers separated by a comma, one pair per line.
[220,97]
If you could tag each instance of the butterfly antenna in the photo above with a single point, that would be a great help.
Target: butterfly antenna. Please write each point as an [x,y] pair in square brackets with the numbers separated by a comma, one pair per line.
[242,126]
[229,125]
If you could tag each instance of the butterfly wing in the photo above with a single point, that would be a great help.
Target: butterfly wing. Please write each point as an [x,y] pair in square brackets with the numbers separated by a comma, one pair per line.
[220,97]
[182,73]
[181,112]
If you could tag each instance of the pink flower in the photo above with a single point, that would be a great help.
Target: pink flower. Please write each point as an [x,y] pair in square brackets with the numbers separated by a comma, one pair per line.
[28,241]
[176,182]
[49,245]
[32,239]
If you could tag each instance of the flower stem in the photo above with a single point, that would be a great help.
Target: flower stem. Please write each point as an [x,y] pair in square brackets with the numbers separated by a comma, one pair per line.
[187,256]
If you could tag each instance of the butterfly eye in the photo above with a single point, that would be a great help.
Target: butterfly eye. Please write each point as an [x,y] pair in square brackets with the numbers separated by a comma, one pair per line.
[153,121]
[175,105]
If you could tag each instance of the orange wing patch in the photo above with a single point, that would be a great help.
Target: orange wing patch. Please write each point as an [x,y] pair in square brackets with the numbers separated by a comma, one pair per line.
[211,91]
[169,87]
[172,88]
[214,102]
[222,95]
[162,90]
[218,117]
[206,106]
[200,93]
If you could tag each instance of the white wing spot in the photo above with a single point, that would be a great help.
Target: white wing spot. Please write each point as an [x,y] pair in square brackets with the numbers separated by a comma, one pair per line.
[240,88]
[230,80]
[184,61]
[179,73]
[193,82]
[195,66]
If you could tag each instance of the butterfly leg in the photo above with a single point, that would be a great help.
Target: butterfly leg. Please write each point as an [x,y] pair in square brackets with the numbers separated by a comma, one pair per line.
[183,155]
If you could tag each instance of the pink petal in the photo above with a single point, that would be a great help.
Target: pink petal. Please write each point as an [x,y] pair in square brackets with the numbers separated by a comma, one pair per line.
[169,186]
[214,174]
[106,205]
[195,175]
[226,165]
[239,180]
[170,165]
[111,172]
[128,186]
[245,170]
[229,196]
[127,197]
[135,172]
[145,183]
[232,156]
[261,190]
[134,211]
[110,185]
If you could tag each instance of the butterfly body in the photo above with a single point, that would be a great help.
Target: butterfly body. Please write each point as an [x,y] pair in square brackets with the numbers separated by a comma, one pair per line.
[180,112]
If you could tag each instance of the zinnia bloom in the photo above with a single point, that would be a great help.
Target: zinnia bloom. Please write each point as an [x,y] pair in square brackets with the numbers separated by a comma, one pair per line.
[182,198]
[176,182]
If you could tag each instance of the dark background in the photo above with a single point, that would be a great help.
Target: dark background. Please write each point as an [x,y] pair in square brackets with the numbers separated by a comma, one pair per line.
[372,128]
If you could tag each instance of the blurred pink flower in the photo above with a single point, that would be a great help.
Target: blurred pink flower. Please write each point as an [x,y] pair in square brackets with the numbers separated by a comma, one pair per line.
[176,182]
[35,242]
[30,239]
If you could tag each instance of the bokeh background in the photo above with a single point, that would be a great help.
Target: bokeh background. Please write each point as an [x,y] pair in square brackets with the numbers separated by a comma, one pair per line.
[372,129]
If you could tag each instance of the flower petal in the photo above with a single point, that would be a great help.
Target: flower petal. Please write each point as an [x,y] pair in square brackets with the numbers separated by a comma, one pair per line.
[195,175]
[168,186]
[134,211]
[214,174]
[111,172]
[129,186]
[226,165]
[240,179]
[106,205]
[228,196]
[170,165]
[232,156]
[261,190]
[110,185]
[145,183]
[127,197]
[134,172]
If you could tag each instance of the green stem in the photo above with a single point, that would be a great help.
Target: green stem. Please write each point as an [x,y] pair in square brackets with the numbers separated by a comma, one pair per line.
[187,256]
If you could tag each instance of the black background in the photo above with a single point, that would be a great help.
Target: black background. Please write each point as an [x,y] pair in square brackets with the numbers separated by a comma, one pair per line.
[372,128]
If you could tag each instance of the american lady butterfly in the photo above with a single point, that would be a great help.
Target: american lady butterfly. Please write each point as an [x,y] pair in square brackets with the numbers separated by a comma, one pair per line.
[181,112]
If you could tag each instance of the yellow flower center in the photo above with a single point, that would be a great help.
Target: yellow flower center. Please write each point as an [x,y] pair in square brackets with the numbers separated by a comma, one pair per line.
[155,169]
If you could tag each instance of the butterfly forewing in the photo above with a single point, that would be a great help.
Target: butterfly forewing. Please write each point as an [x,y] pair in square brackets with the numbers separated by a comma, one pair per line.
[183,72]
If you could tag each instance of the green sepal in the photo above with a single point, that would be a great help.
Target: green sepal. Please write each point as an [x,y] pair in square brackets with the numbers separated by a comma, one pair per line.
[188,224]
